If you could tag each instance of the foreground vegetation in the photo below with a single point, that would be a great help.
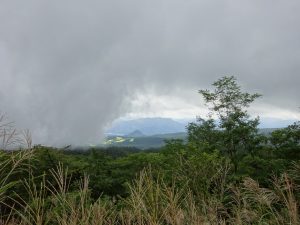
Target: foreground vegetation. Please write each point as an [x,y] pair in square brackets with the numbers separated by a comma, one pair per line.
[226,173]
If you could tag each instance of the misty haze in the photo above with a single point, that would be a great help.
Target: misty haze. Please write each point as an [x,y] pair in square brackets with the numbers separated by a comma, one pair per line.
[149,112]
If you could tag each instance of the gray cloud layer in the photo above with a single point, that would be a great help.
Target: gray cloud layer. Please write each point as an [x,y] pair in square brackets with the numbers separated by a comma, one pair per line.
[67,68]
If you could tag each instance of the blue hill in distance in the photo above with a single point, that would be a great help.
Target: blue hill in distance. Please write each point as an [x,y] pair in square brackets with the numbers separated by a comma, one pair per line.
[136,133]
[146,133]
[147,126]
[157,125]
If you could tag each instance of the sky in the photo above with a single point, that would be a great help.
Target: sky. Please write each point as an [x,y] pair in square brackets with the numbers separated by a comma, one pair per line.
[68,68]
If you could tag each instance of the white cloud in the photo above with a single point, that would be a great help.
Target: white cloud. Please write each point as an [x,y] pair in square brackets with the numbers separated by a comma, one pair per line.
[68,68]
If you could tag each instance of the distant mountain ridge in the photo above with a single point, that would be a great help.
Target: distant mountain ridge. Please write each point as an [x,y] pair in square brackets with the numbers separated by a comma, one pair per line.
[147,126]
[158,126]
[152,132]
[136,133]
[154,141]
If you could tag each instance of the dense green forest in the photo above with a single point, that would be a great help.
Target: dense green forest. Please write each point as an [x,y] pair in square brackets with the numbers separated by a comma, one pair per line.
[226,172]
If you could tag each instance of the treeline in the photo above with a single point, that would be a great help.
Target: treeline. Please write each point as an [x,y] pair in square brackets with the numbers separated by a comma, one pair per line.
[225,173]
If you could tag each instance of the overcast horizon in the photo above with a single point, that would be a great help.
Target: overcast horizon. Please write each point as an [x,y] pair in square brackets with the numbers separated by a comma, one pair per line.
[68,69]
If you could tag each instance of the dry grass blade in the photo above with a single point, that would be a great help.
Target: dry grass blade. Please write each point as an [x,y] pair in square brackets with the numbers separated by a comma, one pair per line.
[60,175]
[11,138]
[11,164]
[285,187]
[32,211]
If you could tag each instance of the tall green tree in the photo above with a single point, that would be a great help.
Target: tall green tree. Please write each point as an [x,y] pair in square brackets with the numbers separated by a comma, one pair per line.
[235,133]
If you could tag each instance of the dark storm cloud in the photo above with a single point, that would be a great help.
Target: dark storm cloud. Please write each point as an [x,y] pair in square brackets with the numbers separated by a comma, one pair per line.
[67,68]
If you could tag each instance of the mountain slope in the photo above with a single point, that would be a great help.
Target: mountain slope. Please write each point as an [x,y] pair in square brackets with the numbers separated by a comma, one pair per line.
[147,126]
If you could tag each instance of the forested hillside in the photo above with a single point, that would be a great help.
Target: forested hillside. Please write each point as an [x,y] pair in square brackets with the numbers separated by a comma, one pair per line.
[226,172]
